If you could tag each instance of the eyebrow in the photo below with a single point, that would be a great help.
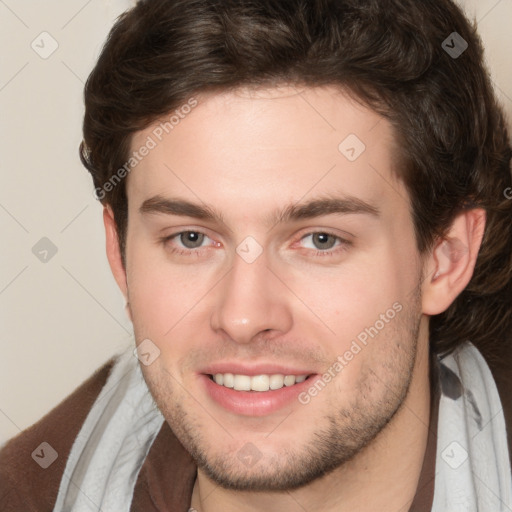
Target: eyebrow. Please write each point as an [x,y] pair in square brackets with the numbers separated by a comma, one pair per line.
[294,212]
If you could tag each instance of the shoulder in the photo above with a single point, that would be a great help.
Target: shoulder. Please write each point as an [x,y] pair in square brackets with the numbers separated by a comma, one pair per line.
[32,463]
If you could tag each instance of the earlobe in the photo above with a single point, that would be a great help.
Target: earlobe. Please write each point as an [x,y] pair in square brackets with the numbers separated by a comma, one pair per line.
[114,251]
[452,262]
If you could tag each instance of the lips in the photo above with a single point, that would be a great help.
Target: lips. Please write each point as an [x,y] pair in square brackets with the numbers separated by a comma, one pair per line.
[258,390]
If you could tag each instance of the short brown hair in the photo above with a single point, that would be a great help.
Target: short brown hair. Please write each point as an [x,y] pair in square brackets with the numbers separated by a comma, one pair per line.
[455,151]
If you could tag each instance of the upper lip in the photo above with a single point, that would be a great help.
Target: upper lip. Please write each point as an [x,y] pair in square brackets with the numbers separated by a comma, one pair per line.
[255,369]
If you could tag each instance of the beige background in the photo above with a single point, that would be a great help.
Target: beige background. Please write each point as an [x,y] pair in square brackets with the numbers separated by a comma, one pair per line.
[62,319]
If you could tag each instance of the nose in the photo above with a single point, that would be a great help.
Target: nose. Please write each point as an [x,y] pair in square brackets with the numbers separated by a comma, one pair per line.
[251,300]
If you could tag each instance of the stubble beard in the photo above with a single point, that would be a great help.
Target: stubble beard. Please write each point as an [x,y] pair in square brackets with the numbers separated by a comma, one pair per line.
[341,435]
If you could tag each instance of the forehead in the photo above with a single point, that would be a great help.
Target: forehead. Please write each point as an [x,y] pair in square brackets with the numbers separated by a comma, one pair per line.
[246,147]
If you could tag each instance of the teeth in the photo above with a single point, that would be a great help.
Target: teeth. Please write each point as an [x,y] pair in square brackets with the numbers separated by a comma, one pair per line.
[289,380]
[257,382]
[242,383]
[229,380]
[260,383]
[276,381]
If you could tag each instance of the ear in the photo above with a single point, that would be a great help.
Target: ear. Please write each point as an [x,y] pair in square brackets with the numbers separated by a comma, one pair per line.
[452,261]
[114,251]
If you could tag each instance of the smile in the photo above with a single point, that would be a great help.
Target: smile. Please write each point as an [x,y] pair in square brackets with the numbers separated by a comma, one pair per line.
[260,383]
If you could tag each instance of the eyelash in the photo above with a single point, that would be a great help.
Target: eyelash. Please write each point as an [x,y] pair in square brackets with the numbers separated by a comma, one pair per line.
[342,245]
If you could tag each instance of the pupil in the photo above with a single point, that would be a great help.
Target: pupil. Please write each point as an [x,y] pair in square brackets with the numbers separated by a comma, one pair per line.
[323,240]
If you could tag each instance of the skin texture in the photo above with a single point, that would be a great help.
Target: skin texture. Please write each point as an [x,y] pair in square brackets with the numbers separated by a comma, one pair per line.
[359,443]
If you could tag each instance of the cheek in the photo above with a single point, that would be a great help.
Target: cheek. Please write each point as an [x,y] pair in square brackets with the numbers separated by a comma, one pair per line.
[352,296]
[363,307]
[160,294]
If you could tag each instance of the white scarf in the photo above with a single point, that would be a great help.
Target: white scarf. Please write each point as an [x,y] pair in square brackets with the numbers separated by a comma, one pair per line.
[472,463]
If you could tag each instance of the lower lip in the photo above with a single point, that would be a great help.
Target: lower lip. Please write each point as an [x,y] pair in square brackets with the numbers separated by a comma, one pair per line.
[254,403]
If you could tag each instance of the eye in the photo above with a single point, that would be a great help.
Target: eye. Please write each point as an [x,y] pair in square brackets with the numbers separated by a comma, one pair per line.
[324,243]
[190,239]
[187,242]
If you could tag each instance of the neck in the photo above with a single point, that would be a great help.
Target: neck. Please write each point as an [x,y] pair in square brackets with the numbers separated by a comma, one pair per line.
[383,476]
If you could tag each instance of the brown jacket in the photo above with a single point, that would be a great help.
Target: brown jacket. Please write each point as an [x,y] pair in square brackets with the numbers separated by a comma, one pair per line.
[167,476]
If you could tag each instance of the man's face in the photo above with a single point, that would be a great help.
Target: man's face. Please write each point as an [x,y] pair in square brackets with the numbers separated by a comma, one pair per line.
[265,289]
